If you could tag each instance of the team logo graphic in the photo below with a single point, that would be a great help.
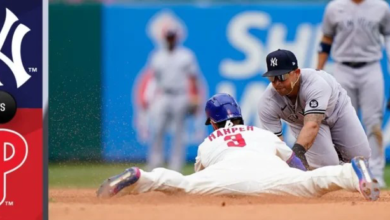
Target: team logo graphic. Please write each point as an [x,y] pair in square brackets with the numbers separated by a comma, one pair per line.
[274,62]
[313,103]
[230,115]
[13,153]
[16,64]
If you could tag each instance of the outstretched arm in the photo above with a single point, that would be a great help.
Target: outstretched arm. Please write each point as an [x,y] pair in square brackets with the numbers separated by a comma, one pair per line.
[295,162]
[311,126]
[312,123]
[198,165]
[287,155]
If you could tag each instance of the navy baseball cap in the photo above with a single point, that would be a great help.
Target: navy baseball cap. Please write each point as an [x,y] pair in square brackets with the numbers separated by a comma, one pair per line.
[280,62]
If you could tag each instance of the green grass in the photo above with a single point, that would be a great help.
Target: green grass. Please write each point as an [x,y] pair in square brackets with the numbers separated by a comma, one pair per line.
[91,175]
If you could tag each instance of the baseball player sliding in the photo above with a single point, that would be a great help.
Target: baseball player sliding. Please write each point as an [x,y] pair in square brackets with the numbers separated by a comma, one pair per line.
[244,160]
[317,109]
[352,31]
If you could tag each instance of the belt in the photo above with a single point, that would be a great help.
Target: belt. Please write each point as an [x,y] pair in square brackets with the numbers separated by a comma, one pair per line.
[173,91]
[355,64]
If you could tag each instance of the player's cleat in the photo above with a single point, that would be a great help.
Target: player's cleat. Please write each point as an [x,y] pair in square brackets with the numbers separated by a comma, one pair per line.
[368,186]
[113,185]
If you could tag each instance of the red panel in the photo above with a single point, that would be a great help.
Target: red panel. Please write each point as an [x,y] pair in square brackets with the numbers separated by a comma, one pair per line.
[23,191]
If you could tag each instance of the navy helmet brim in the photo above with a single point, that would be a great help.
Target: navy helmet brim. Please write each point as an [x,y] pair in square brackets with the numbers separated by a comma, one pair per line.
[276,72]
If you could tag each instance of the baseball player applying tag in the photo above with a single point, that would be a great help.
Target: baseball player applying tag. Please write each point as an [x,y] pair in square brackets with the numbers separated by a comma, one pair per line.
[317,109]
[237,159]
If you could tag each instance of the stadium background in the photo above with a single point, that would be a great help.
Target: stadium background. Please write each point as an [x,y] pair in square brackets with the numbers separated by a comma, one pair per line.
[98,52]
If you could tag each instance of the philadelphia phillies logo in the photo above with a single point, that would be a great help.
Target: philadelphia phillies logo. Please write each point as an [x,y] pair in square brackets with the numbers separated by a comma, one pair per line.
[16,64]
[13,154]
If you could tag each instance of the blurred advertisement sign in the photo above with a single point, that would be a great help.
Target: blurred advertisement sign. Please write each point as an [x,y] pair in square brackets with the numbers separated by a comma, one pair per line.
[230,43]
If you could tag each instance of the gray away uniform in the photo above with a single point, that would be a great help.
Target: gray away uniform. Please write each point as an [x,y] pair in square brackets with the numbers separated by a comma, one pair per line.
[170,104]
[319,94]
[356,30]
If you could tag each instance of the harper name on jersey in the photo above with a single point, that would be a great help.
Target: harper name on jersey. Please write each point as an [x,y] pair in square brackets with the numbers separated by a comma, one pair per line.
[226,131]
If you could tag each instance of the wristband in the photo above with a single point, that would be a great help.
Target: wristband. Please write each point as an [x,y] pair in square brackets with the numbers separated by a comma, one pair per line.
[324,48]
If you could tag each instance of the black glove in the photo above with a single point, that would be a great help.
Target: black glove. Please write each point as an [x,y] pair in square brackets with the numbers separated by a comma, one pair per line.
[300,151]
[192,109]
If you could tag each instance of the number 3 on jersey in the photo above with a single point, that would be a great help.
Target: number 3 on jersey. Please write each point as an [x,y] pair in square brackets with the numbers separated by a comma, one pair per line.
[235,140]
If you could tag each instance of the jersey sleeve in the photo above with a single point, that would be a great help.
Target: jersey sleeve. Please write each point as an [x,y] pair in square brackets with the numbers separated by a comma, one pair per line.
[317,96]
[328,24]
[198,166]
[192,68]
[283,151]
[385,23]
[152,61]
[269,120]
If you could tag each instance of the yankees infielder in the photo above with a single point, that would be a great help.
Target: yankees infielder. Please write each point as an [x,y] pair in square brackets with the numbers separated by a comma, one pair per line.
[316,108]
[175,72]
[244,160]
[353,29]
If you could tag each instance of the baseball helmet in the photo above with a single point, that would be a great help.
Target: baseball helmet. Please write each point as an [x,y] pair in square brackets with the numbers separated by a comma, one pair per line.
[222,107]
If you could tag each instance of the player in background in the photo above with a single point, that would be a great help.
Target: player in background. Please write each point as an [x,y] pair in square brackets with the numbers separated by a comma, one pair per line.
[175,95]
[317,109]
[352,31]
[237,159]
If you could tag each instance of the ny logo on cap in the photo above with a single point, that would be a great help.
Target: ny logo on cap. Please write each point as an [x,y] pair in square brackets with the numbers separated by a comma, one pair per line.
[274,62]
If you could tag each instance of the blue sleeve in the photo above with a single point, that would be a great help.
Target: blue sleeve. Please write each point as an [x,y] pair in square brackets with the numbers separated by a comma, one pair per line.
[295,162]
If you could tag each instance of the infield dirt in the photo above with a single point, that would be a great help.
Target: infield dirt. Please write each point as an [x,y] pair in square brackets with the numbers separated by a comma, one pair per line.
[78,204]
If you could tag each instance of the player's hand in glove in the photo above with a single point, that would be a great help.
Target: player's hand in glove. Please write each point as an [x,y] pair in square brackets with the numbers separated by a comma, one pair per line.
[193,107]
[300,151]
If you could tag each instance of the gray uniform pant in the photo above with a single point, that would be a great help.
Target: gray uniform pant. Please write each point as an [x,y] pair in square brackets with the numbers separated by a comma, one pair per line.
[346,137]
[168,110]
[365,87]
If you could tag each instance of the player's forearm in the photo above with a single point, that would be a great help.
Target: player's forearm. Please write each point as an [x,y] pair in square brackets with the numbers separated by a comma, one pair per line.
[322,58]
[194,90]
[324,51]
[305,141]
[308,134]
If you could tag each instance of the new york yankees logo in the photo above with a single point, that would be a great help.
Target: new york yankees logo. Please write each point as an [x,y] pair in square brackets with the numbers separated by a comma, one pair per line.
[274,62]
[13,153]
[16,64]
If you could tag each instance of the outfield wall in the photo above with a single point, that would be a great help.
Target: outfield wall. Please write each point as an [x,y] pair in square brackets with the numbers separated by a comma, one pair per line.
[230,43]
[75,83]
